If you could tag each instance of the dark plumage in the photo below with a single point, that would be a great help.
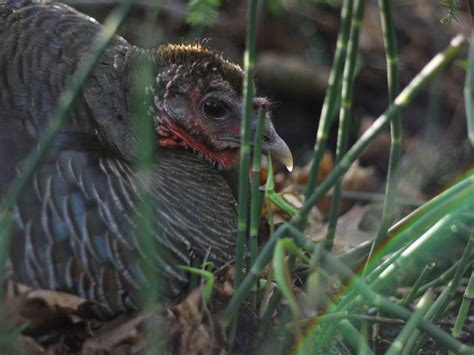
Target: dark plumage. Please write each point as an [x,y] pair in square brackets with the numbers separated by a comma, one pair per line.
[76,225]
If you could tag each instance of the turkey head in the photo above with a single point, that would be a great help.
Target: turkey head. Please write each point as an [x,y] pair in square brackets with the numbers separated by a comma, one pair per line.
[198,105]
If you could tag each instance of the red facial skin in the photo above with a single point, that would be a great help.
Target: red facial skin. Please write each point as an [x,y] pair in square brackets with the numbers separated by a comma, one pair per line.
[168,143]
[227,158]
[172,135]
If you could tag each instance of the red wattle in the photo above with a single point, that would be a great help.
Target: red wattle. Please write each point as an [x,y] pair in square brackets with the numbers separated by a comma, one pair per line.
[167,143]
[227,158]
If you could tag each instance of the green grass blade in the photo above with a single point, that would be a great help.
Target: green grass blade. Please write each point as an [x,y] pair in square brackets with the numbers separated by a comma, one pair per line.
[469,91]
[208,276]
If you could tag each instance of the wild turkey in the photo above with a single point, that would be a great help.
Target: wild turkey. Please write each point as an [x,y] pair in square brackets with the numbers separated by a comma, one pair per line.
[76,226]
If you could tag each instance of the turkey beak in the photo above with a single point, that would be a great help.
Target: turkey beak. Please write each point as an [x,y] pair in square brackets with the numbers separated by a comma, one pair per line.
[276,146]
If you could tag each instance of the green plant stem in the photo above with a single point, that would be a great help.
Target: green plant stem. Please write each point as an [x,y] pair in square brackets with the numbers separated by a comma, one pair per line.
[193,278]
[412,343]
[403,99]
[256,196]
[379,197]
[419,281]
[252,276]
[393,80]
[354,339]
[248,93]
[412,324]
[282,272]
[413,233]
[435,238]
[266,291]
[442,279]
[440,207]
[249,67]
[267,316]
[207,290]
[376,300]
[389,270]
[468,90]
[147,230]
[272,195]
[283,277]
[332,94]
[338,316]
[347,94]
[351,300]
[355,256]
[441,303]
[281,343]
[433,205]
[410,238]
[464,309]
[424,219]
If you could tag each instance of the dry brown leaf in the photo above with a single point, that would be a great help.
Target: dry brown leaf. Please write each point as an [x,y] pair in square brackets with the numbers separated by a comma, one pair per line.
[300,175]
[192,332]
[42,310]
[118,336]
[357,179]
[352,228]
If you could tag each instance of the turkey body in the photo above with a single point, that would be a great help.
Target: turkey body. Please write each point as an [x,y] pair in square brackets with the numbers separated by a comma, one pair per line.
[76,226]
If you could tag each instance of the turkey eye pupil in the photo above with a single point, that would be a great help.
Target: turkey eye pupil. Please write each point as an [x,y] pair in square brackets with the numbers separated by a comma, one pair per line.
[214,109]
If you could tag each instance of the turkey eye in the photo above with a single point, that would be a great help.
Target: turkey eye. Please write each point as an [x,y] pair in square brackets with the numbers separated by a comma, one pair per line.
[214,109]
